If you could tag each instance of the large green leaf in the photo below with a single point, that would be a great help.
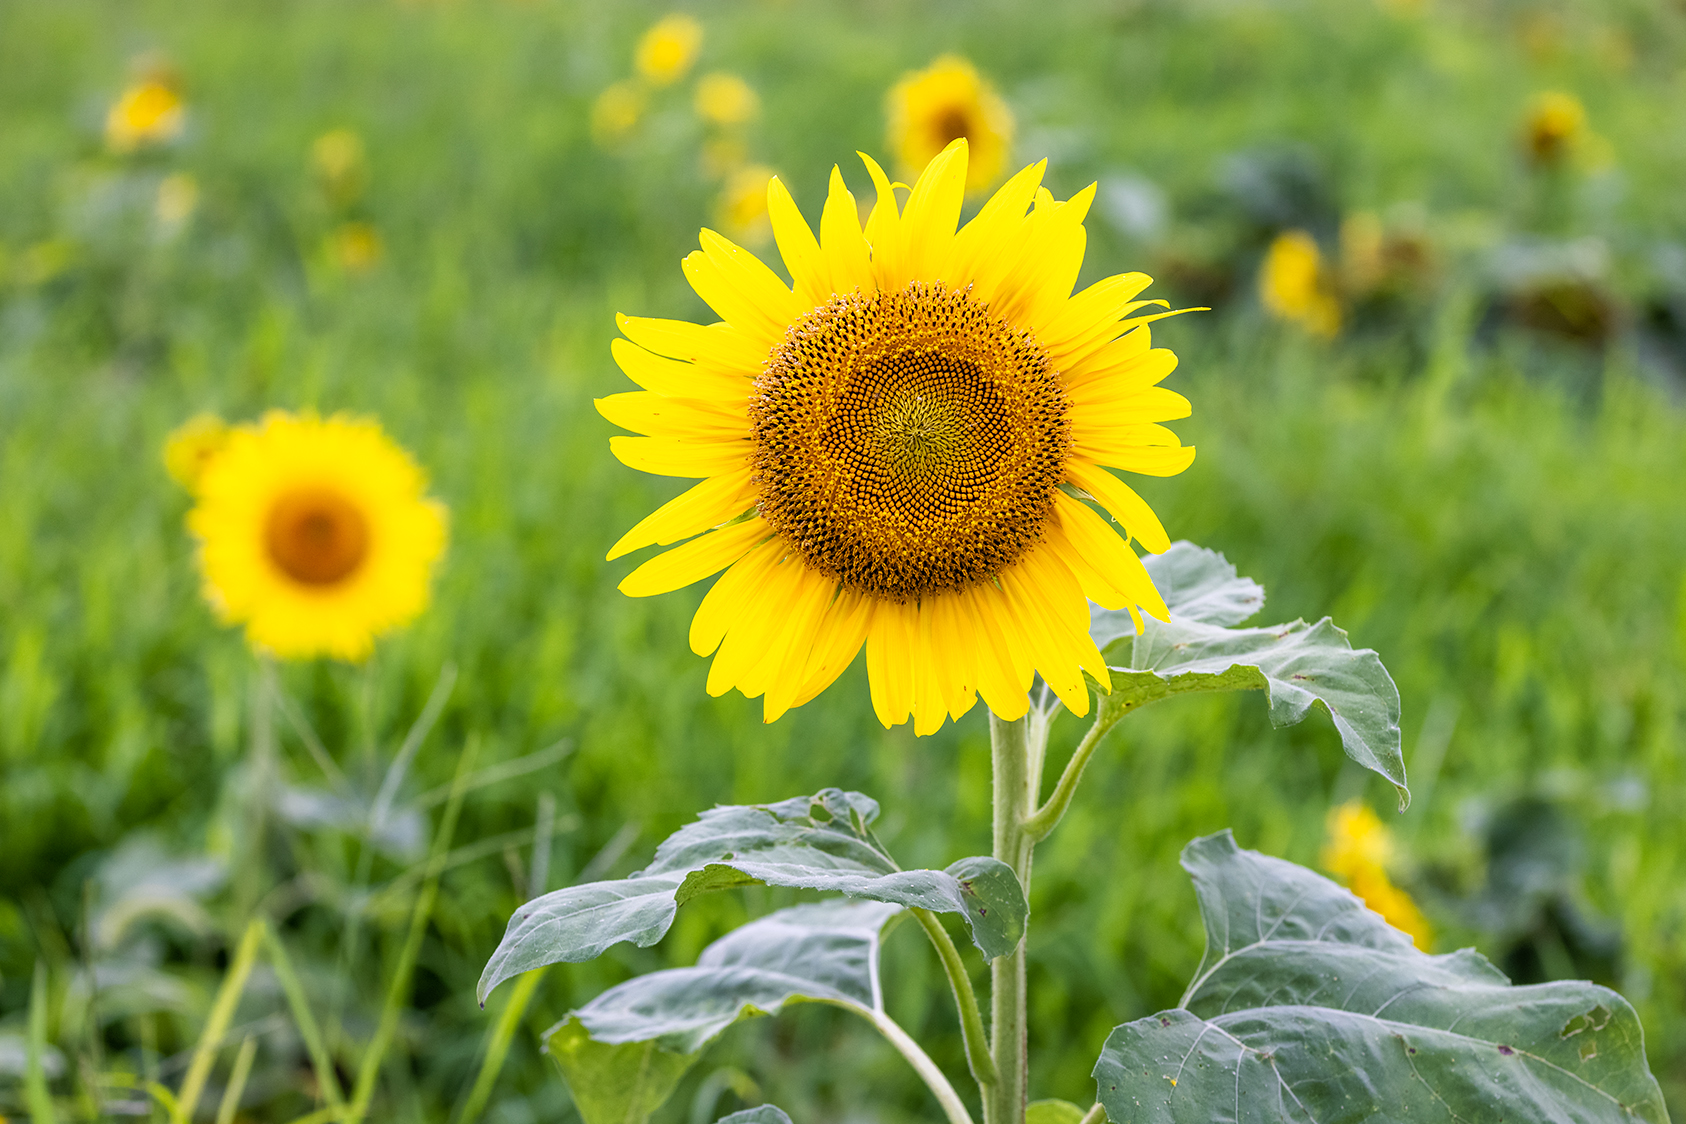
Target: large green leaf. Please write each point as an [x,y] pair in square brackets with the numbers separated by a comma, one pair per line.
[760,1114]
[822,842]
[1309,1008]
[1302,667]
[624,1052]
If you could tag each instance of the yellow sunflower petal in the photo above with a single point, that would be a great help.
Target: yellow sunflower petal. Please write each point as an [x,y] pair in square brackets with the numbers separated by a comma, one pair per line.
[1051,647]
[778,673]
[678,378]
[997,679]
[684,419]
[1042,285]
[1091,313]
[693,511]
[695,560]
[721,345]
[884,232]
[933,211]
[661,456]
[798,246]
[1119,498]
[1099,546]
[847,252]
[889,662]
[733,596]
[840,638]
[994,225]
[750,636]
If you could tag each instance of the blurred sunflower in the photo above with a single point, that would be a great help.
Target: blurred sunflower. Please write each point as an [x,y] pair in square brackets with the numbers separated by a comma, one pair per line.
[616,112]
[315,534]
[191,445]
[1294,284]
[667,50]
[1554,128]
[726,100]
[931,108]
[355,247]
[1358,850]
[149,112]
[893,452]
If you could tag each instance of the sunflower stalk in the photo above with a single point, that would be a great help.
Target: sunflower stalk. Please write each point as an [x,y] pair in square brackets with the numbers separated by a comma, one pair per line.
[1016,752]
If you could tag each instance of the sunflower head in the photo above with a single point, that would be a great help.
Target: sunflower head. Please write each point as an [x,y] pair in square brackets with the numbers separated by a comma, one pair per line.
[1296,285]
[667,50]
[1358,850]
[315,534]
[1555,126]
[726,100]
[899,451]
[947,101]
[149,112]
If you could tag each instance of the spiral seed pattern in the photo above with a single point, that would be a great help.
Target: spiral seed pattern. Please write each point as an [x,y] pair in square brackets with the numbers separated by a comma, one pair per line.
[908,443]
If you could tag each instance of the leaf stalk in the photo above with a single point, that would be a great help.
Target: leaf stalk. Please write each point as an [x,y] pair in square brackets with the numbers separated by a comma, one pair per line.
[965,999]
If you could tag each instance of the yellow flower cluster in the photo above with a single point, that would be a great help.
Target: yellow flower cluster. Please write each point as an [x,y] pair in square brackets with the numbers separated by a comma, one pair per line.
[314,534]
[723,102]
[1358,851]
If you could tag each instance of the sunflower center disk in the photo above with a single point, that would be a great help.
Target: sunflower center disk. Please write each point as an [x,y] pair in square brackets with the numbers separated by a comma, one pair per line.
[316,536]
[907,443]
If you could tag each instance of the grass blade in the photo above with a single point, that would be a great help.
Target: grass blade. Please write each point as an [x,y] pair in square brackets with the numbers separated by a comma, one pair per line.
[497,1045]
[36,1094]
[228,997]
[237,1080]
[326,1079]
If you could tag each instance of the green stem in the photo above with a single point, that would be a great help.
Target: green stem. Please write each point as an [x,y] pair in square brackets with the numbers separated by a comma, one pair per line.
[1047,817]
[1095,1115]
[1016,752]
[398,992]
[971,1021]
[953,1107]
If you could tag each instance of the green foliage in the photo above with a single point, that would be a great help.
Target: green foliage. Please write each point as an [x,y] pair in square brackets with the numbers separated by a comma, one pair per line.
[1308,1007]
[822,842]
[1301,666]
[1494,510]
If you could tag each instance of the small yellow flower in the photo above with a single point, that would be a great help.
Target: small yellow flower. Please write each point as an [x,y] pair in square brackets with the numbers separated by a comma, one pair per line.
[1555,127]
[315,534]
[948,100]
[667,50]
[1294,285]
[192,445]
[178,198]
[149,112]
[355,246]
[341,167]
[726,100]
[741,210]
[616,112]
[1358,849]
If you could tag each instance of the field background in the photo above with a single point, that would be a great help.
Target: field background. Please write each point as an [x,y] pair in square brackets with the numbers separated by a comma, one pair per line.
[1494,506]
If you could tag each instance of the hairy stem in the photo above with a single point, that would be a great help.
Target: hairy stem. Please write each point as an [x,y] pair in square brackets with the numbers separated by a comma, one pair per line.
[953,1107]
[1047,817]
[1016,752]
[965,999]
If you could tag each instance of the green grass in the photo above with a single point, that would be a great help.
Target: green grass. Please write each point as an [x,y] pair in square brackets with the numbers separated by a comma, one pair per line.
[1499,515]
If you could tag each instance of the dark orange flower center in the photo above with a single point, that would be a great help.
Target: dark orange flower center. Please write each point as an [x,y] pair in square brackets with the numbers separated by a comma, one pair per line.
[908,443]
[316,536]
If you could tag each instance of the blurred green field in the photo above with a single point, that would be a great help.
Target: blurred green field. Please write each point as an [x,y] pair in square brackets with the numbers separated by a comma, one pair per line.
[1489,497]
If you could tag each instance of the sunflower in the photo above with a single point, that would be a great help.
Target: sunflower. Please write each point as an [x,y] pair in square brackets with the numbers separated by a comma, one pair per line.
[315,534]
[1554,127]
[896,453]
[1358,851]
[1295,284]
[667,50]
[932,108]
[148,112]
